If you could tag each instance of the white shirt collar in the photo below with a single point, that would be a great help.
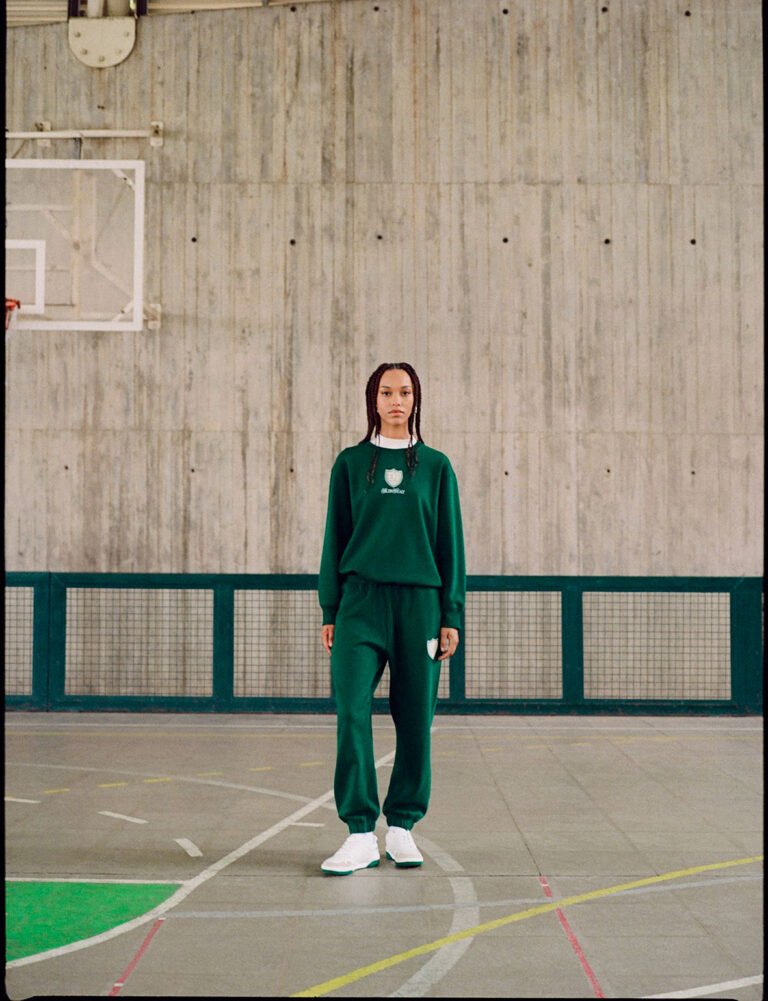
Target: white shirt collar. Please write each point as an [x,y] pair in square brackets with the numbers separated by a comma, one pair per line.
[382,442]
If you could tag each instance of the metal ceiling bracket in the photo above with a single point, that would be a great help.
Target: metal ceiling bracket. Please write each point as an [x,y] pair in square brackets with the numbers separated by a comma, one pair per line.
[153,315]
[100,42]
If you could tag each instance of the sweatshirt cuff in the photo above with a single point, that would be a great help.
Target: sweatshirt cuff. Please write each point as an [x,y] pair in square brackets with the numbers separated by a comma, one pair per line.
[450,620]
[329,615]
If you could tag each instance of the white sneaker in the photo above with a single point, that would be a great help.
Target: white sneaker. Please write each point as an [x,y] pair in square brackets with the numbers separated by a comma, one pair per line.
[359,851]
[401,848]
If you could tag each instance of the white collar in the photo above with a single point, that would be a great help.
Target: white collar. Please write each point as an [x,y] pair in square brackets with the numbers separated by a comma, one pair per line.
[382,442]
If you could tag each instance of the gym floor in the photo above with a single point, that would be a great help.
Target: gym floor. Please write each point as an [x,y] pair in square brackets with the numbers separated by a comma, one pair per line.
[565,857]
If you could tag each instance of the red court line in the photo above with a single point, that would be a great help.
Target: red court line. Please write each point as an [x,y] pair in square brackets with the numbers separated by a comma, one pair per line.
[120,983]
[575,945]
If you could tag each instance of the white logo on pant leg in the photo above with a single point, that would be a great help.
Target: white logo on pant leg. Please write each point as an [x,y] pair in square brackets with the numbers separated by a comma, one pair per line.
[432,648]
[394,477]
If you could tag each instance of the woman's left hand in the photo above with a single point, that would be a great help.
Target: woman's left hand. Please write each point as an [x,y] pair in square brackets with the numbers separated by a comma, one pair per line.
[449,640]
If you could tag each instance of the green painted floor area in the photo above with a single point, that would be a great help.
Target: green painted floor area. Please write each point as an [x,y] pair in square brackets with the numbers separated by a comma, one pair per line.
[42,915]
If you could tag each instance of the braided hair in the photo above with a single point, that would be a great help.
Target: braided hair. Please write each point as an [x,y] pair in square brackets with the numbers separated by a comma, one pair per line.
[374,418]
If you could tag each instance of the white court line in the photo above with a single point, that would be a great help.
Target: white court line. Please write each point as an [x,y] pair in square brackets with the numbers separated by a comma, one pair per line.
[15,799]
[332,912]
[76,725]
[700,992]
[176,778]
[122,816]
[466,914]
[91,879]
[189,847]
[465,906]
[306,823]
[189,886]
[443,726]
[535,731]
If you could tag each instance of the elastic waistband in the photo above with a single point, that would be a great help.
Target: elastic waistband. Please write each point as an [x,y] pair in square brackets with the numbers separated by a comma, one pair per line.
[354,578]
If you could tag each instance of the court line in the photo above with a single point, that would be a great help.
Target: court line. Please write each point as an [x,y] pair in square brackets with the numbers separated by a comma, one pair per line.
[15,799]
[66,724]
[176,778]
[38,726]
[327,986]
[343,912]
[92,880]
[331,912]
[597,990]
[189,847]
[700,992]
[439,965]
[188,886]
[120,982]
[122,816]
[466,912]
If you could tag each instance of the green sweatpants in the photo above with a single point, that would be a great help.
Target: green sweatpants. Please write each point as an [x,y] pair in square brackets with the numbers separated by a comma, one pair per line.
[377,623]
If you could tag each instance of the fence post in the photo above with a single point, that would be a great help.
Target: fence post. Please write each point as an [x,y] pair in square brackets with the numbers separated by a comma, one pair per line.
[223,644]
[573,644]
[57,642]
[41,642]
[746,645]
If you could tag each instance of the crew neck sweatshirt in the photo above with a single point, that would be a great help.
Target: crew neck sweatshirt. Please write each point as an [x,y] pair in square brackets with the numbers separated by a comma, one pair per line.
[401,529]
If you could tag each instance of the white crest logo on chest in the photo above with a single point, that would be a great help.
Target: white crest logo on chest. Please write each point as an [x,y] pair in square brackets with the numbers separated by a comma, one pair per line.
[394,477]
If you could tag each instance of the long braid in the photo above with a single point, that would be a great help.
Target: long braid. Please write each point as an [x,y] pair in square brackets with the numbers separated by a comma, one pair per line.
[374,419]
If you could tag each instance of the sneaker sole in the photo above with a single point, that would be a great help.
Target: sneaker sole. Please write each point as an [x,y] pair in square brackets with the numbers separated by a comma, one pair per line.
[405,865]
[348,872]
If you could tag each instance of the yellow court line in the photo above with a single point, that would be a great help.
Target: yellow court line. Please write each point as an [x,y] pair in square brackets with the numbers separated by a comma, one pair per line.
[149,781]
[51,792]
[383,964]
[111,785]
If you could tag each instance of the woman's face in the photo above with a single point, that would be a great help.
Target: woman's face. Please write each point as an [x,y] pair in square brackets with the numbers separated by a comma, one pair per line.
[394,402]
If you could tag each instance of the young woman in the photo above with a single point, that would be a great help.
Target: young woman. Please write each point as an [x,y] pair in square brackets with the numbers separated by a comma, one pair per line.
[391,588]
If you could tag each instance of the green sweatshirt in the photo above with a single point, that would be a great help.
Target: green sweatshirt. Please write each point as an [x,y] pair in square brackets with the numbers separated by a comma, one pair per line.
[401,529]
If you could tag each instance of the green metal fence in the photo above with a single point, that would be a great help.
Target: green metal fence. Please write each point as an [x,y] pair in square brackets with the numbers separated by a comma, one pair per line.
[230,643]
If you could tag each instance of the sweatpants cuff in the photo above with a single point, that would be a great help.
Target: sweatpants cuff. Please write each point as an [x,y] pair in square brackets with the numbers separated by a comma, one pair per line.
[360,827]
[405,822]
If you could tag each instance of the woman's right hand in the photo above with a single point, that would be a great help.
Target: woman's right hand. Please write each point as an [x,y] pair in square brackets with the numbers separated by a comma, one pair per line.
[327,635]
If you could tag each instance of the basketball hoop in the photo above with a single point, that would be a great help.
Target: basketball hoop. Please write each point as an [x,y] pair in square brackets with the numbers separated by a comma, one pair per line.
[10,306]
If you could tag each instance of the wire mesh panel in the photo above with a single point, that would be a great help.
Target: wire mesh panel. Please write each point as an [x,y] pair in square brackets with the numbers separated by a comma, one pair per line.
[278,652]
[19,614]
[528,644]
[657,645]
[123,641]
[513,645]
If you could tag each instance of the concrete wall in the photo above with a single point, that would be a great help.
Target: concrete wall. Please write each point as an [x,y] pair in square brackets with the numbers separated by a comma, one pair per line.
[435,181]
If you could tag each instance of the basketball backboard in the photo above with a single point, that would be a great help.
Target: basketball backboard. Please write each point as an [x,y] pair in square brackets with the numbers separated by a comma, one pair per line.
[74,248]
